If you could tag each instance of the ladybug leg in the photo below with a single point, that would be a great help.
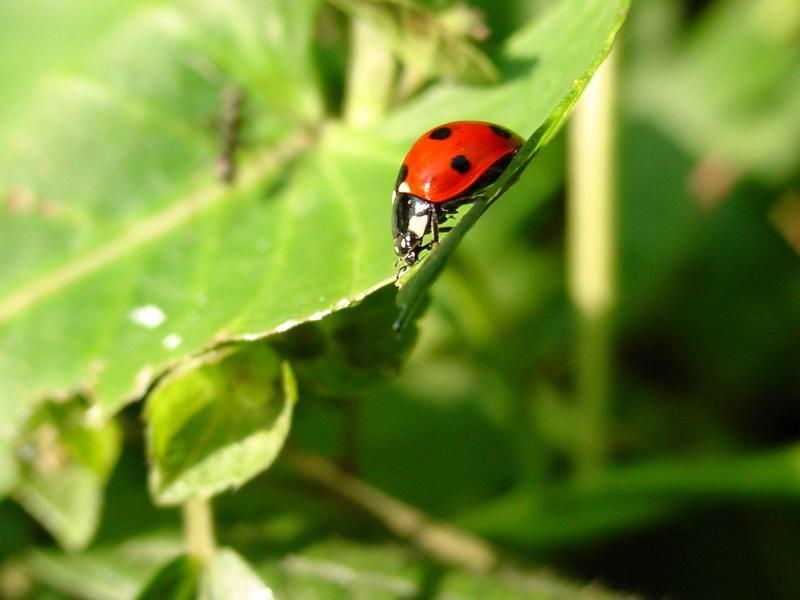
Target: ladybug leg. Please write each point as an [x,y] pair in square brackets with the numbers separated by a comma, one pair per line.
[435,217]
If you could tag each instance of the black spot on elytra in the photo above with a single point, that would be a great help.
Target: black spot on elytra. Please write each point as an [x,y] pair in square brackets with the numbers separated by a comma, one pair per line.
[503,133]
[401,176]
[460,163]
[440,133]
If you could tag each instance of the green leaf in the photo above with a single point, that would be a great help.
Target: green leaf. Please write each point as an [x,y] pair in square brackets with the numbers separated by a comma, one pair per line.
[340,570]
[562,78]
[227,576]
[64,469]
[218,421]
[176,580]
[122,254]
[109,573]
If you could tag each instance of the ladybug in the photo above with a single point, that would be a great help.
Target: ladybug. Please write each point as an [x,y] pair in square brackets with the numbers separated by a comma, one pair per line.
[444,170]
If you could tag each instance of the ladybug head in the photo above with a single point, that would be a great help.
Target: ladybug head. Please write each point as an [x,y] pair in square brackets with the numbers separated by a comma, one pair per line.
[411,220]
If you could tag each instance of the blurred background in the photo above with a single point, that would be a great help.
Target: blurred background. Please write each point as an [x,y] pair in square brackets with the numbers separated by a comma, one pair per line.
[650,446]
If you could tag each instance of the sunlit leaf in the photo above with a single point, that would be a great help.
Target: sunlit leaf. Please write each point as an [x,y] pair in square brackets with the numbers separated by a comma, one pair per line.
[216,422]
[109,573]
[227,576]
[65,466]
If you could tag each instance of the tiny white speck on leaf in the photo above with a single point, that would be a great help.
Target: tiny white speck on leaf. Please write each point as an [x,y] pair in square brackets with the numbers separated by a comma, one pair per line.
[172,341]
[148,315]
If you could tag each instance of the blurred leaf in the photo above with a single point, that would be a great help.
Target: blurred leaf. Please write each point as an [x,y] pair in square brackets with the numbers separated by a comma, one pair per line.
[218,421]
[342,570]
[9,469]
[563,68]
[65,466]
[111,573]
[659,222]
[177,580]
[227,576]
[625,497]
[544,64]
[732,89]
[428,45]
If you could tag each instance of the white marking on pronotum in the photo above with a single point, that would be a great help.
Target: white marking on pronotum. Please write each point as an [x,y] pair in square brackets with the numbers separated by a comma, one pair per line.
[404,188]
[261,594]
[394,195]
[148,316]
[418,225]
[172,341]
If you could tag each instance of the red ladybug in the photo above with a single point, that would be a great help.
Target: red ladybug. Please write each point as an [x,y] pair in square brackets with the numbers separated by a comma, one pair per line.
[444,169]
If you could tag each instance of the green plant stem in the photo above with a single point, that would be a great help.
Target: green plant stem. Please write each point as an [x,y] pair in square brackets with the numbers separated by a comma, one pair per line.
[439,539]
[370,75]
[591,241]
[442,541]
[198,526]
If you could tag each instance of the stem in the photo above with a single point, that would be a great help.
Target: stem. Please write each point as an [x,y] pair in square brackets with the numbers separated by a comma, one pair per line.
[198,525]
[591,240]
[442,541]
[370,76]
[439,540]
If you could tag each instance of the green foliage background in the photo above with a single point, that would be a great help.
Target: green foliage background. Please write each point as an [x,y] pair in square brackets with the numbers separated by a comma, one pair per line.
[163,333]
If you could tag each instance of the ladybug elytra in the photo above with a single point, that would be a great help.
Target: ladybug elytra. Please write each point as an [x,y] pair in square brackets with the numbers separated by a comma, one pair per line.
[445,169]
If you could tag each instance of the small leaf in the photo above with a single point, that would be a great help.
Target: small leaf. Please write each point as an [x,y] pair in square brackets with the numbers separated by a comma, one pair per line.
[106,573]
[177,580]
[338,569]
[228,577]
[65,466]
[218,421]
